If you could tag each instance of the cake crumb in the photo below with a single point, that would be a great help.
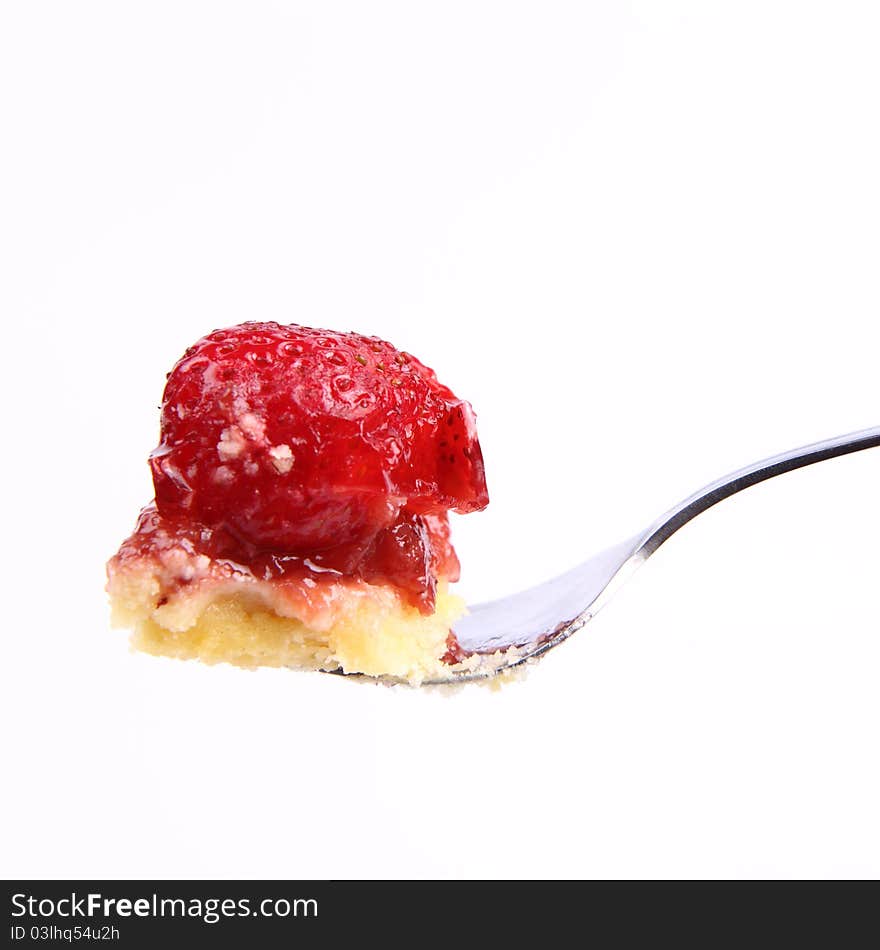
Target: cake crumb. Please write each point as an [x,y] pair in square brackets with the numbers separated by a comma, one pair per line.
[232,443]
[282,458]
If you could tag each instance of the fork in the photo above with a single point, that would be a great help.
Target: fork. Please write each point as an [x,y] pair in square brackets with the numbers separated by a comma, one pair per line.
[505,633]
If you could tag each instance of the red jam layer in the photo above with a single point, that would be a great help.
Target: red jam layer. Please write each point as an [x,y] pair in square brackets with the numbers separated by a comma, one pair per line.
[410,555]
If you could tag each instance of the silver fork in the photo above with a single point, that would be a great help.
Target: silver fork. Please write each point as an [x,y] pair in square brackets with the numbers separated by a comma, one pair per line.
[505,633]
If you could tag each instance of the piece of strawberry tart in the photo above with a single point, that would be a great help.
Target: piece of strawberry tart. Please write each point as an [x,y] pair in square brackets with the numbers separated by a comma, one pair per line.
[303,482]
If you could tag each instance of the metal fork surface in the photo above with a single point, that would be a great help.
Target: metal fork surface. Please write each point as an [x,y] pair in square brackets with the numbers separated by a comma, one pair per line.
[510,631]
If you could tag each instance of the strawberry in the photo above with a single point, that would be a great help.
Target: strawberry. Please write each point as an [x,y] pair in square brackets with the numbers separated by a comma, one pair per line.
[314,445]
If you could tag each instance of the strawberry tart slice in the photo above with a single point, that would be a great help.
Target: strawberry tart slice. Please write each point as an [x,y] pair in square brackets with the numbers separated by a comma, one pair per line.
[303,482]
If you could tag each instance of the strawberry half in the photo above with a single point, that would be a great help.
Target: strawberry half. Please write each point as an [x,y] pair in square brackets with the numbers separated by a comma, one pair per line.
[305,444]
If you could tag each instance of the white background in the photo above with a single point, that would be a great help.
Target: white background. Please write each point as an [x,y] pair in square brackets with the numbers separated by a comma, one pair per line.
[642,238]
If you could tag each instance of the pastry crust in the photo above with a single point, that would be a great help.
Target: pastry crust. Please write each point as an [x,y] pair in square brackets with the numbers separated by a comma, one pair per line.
[188,607]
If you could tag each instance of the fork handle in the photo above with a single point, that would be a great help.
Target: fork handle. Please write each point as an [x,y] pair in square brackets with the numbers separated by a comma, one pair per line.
[705,498]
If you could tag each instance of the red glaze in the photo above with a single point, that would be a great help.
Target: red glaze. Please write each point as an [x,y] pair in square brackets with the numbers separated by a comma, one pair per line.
[287,448]
[413,553]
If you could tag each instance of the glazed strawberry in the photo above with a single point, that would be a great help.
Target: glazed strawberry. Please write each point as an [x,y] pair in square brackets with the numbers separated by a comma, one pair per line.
[291,445]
